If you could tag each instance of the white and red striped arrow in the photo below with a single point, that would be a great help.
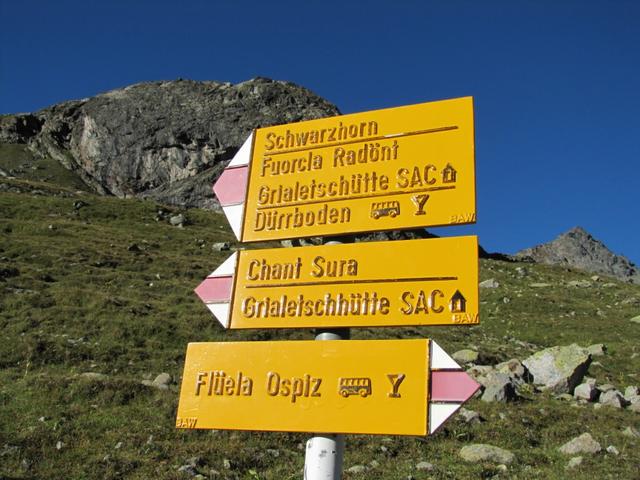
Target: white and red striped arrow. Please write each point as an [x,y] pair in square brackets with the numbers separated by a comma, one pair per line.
[216,290]
[231,187]
[450,387]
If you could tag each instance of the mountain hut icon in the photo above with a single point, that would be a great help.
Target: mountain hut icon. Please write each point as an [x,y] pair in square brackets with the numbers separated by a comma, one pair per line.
[458,304]
[449,174]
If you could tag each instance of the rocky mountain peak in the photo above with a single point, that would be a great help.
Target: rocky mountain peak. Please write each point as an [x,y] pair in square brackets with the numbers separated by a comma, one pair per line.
[577,248]
[166,140]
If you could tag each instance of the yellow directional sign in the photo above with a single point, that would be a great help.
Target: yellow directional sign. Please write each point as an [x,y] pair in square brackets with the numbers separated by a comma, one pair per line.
[404,387]
[404,167]
[411,282]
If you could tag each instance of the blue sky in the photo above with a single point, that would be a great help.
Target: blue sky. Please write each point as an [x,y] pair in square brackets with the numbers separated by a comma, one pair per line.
[556,84]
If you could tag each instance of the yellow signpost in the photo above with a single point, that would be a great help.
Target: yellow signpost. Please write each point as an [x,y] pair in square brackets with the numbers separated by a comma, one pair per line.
[411,282]
[378,386]
[398,168]
[403,167]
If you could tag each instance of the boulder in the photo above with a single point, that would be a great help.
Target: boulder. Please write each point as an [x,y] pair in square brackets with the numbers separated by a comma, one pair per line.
[597,350]
[581,444]
[631,393]
[516,371]
[465,356]
[486,453]
[613,398]
[559,369]
[586,391]
[499,387]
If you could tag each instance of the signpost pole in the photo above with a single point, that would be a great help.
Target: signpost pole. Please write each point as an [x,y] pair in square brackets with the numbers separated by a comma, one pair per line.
[324,453]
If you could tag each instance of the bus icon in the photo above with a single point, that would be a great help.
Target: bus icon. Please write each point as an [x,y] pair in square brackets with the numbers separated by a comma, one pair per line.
[354,386]
[385,209]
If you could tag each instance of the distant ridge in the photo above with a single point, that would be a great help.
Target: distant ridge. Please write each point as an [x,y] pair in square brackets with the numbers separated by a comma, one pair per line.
[578,249]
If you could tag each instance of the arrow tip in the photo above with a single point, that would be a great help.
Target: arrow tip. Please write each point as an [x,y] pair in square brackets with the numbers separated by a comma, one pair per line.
[215,290]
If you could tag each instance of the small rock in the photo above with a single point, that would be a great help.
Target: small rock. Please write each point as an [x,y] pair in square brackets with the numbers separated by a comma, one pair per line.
[574,462]
[586,391]
[581,444]
[597,350]
[425,466]
[579,283]
[465,356]
[486,453]
[94,376]
[273,452]
[612,398]
[118,446]
[78,204]
[540,285]
[606,387]
[221,246]
[188,469]
[565,397]
[357,469]
[374,464]
[521,271]
[631,432]
[162,379]
[631,392]
[635,319]
[59,445]
[613,450]
[177,220]
[133,247]
[469,416]
[226,464]
[595,278]
[491,283]
[634,407]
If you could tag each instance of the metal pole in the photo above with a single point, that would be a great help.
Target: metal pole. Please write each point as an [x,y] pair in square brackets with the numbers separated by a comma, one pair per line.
[324,454]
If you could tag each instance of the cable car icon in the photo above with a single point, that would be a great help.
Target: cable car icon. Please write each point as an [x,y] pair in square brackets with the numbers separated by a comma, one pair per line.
[354,386]
[385,209]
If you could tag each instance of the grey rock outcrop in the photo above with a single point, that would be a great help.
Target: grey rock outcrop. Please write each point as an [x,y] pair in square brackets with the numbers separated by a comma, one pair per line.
[559,369]
[167,141]
[578,249]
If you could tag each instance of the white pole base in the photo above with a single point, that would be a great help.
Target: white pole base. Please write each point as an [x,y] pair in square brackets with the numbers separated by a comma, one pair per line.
[323,458]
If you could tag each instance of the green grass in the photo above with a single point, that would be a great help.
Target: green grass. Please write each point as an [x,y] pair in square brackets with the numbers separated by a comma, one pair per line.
[19,162]
[109,289]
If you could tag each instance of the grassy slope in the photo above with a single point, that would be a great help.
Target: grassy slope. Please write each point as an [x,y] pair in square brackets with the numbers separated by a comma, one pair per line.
[79,297]
[19,162]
